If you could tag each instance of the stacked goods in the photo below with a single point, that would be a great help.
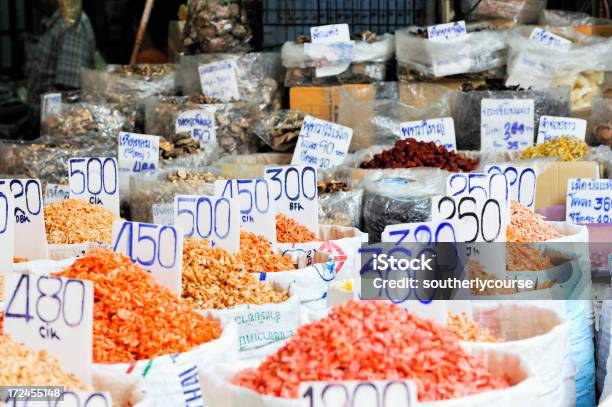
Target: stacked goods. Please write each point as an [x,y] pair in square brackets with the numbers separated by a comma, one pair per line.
[528,227]
[566,148]
[289,230]
[73,221]
[373,340]
[20,365]
[216,279]
[134,317]
[257,256]
[410,153]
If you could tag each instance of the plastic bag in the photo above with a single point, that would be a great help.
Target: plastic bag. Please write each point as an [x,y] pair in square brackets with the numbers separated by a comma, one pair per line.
[399,196]
[602,121]
[522,392]
[258,76]
[368,63]
[519,11]
[477,52]
[378,121]
[579,65]
[563,18]
[148,191]
[250,166]
[340,203]
[540,336]
[467,110]
[214,26]
[280,129]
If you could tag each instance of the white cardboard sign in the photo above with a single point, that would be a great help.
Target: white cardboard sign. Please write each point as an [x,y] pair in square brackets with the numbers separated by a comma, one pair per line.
[552,127]
[358,394]
[447,31]
[294,190]
[589,201]
[441,131]
[56,193]
[506,124]
[54,314]
[207,217]
[332,47]
[29,217]
[51,105]
[199,123]
[137,153]
[257,209]
[7,229]
[66,399]
[219,80]
[522,182]
[95,180]
[321,143]
[156,248]
[163,214]
[549,39]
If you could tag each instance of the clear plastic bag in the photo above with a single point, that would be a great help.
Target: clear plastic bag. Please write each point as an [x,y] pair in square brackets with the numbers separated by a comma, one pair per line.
[369,61]
[581,64]
[378,121]
[561,18]
[602,121]
[258,74]
[159,188]
[399,196]
[481,53]
[519,11]
[250,166]
[340,200]
[280,129]
[551,102]
[215,26]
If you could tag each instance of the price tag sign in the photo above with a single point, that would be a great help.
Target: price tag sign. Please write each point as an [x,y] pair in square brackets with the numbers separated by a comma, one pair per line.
[294,190]
[322,144]
[589,201]
[506,124]
[7,229]
[156,248]
[521,182]
[552,127]
[163,214]
[549,39]
[331,48]
[138,153]
[94,180]
[56,193]
[206,217]
[358,394]
[441,131]
[219,80]
[51,105]
[54,314]
[29,216]
[199,123]
[448,31]
[63,399]
[257,210]
[437,231]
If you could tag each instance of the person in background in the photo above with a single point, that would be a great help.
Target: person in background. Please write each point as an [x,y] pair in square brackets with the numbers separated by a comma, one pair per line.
[67,44]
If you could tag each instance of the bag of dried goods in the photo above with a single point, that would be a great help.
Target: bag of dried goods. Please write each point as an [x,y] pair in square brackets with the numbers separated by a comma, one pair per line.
[602,121]
[399,196]
[481,53]
[366,62]
[216,282]
[166,348]
[340,242]
[258,76]
[537,334]
[340,201]
[519,11]
[152,195]
[76,227]
[343,346]
[376,115]
[468,101]
[218,26]
[280,129]
[579,64]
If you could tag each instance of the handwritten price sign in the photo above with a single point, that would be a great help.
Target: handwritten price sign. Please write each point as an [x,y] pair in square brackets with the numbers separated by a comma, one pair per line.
[95,180]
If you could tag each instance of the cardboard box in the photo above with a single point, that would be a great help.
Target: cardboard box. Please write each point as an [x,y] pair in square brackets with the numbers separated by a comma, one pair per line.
[551,185]
[322,102]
